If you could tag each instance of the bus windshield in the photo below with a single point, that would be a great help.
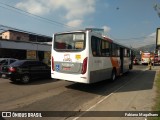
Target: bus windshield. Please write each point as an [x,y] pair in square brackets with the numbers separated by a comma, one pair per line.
[146,55]
[69,41]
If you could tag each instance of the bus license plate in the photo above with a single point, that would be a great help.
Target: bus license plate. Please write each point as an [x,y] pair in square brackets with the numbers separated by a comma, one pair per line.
[66,68]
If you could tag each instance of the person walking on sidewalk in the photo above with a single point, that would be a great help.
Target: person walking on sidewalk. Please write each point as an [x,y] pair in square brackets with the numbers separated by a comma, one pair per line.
[150,63]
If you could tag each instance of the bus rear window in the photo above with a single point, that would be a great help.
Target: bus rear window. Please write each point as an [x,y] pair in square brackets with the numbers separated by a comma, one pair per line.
[69,41]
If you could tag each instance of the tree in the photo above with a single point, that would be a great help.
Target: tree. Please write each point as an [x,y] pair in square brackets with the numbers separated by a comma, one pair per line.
[157,8]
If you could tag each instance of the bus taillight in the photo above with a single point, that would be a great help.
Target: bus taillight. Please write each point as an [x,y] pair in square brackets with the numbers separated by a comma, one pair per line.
[52,63]
[84,66]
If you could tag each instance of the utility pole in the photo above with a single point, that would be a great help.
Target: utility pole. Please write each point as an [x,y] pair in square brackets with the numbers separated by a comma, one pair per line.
[157,9]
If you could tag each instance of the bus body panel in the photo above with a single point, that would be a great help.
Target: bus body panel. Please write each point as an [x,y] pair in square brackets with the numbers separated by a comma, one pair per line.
[72,78]
[68,65]
[100,68]
[73,67]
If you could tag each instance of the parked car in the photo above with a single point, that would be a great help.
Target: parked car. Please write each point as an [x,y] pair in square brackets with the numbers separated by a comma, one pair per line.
[26,70]
[6,61]
[136,61]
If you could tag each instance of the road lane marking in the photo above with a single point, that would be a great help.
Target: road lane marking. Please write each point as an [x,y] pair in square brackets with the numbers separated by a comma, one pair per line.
[103,99]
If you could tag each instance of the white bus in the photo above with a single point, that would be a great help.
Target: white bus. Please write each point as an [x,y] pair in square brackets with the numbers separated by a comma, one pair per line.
[88,57]
[145,57]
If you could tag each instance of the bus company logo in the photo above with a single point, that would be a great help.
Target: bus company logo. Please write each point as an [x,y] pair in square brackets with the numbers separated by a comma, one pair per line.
[78,57]
[67,58]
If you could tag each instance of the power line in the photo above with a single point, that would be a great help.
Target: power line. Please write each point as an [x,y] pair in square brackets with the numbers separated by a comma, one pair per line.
[132,38]
[136,38]
[5,28]
[9,7]
[37,16]
[30,16]
[129,43]
[136,41]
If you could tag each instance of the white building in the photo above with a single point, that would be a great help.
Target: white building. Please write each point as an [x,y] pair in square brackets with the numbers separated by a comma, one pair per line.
[15,44]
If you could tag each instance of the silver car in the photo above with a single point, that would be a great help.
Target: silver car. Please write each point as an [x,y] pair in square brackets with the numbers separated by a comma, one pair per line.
[6,61]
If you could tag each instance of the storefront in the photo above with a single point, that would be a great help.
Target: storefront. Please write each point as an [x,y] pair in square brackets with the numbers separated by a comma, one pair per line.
[25,50]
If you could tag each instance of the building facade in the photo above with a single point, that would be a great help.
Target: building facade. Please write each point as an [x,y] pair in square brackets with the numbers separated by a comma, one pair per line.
[14,35]
[23,45]
[24,36]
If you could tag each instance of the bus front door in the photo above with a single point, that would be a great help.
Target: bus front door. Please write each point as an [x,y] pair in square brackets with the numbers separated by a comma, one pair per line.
[121,60]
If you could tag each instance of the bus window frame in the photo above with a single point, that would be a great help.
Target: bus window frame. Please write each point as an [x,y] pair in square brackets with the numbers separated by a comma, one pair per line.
[112,51]
[100,47]
[109,48]
[69,50]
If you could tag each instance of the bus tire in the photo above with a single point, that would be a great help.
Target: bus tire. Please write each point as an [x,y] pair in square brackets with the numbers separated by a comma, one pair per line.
[113,75]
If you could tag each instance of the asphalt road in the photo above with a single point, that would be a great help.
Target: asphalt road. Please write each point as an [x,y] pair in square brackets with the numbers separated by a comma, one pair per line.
[134,91]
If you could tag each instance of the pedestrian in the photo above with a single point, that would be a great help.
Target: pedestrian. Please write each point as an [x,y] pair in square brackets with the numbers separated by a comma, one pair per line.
[150,63]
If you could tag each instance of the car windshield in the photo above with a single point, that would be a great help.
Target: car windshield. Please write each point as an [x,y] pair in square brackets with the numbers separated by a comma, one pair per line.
[69,41]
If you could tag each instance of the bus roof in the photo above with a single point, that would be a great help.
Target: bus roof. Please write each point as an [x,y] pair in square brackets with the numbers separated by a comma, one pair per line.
[97,35]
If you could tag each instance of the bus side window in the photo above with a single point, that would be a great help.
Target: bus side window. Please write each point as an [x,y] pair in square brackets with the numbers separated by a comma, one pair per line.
[105,48]
[115,50]
[95,45]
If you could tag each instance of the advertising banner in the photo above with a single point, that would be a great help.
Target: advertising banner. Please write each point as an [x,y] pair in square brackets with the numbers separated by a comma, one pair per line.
[158,38]
[31,54]
[47,58]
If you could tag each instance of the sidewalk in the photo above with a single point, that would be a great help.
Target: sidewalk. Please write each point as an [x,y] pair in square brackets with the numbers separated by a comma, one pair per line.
[136,95]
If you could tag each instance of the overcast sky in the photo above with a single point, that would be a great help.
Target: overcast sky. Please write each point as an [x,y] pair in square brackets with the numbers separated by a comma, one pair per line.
[130,22]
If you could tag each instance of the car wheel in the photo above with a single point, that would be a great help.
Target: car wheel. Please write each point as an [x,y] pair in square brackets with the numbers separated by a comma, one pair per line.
[113,75]
[25,78]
